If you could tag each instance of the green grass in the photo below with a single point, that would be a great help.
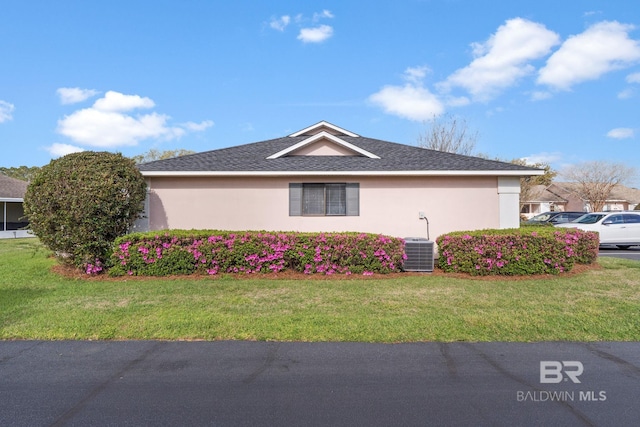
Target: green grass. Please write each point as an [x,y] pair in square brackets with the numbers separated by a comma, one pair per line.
[37,303]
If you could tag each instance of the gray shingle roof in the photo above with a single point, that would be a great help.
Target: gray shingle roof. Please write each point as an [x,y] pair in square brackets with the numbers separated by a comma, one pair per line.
[394,157]
[11,188]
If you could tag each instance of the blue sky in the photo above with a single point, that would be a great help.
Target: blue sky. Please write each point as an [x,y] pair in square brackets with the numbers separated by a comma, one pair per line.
[552,81]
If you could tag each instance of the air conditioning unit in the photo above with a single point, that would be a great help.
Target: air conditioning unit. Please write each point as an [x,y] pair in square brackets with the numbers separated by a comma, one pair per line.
[420,256]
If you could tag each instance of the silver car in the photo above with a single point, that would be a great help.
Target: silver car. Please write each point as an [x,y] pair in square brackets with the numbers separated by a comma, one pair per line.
[621,229]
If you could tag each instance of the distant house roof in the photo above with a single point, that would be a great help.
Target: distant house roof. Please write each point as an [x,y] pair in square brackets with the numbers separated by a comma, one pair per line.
[353,155]
[541,193]
[11,188]
[620,193]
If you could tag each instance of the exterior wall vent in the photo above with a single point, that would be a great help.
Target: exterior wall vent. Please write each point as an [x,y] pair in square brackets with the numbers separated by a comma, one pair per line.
[420,254]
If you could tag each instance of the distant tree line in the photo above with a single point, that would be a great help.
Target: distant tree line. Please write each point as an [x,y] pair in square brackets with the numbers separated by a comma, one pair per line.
[27,173]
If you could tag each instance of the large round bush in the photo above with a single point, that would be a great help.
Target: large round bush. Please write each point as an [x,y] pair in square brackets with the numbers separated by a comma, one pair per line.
[78,204]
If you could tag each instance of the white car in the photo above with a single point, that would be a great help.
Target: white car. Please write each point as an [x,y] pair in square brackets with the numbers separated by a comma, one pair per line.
[621,229]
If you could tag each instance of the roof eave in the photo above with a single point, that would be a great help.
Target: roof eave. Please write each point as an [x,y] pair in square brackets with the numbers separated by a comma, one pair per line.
[513,173]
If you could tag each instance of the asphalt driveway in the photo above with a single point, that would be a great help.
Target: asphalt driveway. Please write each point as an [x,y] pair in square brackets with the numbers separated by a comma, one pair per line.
[612,251]
[267,383]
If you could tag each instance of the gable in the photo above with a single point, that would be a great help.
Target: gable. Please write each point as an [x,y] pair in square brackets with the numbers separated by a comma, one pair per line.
[323,127]
[323,147]
[332,142]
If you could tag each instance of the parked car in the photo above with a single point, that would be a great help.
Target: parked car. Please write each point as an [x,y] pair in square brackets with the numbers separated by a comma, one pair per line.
[621,229]
[553,218]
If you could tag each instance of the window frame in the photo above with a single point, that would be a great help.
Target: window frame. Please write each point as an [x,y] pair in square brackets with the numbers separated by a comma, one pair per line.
[348,194]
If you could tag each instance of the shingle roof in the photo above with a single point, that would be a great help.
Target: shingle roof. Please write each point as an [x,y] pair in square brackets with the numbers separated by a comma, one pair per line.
[11,188]
[619,192]
[394,157]
[541,193]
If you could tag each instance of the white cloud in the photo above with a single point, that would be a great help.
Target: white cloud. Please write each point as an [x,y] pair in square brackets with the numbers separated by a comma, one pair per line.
[316,34]
[544,157]
[198,127]
[411,101]
[416,74]
[626,93]
[503,59]
[459,101]
[109,123]
[59,150]
[73,95]
[116,101]
[601,48]
[6,111]
[324,14]
[539,95]
[281,23]
[621,133]
[98,128]
[633,78]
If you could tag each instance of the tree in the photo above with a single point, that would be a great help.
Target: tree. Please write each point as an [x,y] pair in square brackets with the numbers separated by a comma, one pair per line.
[450,134]
[78,204]
[24,173]
[153,155]
[527,184]
[596,179]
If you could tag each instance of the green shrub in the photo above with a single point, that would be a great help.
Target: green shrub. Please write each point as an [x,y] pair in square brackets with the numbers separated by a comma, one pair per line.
[78,204]
[212,252]
[523,251]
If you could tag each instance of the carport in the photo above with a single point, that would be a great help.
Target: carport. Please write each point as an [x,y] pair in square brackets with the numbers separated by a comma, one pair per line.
[12,221]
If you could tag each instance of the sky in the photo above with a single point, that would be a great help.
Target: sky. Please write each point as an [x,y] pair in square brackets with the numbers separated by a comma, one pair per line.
[549,81]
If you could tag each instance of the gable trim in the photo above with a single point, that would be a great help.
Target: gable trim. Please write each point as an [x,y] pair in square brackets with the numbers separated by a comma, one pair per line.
[317,137]
[324,124]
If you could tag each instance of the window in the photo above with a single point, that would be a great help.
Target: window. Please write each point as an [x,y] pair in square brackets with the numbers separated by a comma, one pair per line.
[631,219]
[318,199]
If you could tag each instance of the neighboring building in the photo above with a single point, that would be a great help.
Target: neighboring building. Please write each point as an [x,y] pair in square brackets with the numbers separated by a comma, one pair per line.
[12,221]
[542,200]
[325,178]
[622,198]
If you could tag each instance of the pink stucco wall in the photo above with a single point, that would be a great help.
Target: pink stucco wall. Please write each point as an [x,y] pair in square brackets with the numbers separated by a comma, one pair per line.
[388,205]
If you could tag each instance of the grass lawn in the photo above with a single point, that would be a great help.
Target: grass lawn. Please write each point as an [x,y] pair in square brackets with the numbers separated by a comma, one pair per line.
[38,303]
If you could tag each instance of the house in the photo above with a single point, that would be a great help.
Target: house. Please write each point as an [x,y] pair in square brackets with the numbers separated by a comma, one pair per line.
[621,197]
[326,178]
[541,200]
[12,222]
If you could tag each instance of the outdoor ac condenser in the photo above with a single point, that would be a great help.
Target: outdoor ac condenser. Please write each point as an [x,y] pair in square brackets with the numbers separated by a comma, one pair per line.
[420,256]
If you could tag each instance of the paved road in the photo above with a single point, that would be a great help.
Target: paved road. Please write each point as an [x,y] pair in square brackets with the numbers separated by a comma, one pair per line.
[612,251]
[79,383]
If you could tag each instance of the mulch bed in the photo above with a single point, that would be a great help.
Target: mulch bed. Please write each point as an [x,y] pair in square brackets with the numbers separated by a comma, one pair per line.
[74,273]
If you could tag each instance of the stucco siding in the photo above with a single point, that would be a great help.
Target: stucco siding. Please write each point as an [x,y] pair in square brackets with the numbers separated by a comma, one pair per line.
[387,205]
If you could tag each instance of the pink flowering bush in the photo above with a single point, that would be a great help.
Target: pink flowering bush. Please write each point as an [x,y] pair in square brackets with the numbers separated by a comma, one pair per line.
[213,252]
[523,251]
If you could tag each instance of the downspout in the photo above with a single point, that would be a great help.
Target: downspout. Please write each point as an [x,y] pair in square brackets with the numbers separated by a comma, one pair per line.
[4,220]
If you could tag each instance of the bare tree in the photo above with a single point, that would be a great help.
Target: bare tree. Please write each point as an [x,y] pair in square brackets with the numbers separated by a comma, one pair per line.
[527,184]
[448,133]
[154,154]
[596,179]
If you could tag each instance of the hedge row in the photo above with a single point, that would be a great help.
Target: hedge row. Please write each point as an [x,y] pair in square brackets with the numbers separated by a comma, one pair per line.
[212,252]
[522,251]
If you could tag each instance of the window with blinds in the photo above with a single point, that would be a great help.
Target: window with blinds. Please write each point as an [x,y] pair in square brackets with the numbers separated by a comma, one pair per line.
[318,199]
